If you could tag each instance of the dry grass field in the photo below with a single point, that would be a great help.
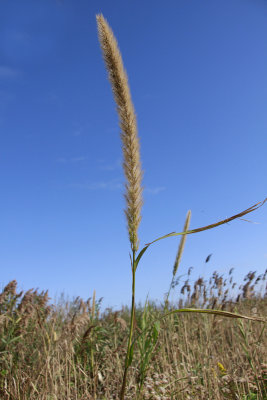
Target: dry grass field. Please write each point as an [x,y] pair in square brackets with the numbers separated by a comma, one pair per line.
[73,351]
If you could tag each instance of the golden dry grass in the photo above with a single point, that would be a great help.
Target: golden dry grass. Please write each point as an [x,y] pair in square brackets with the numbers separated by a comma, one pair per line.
[129,136]
[71,351]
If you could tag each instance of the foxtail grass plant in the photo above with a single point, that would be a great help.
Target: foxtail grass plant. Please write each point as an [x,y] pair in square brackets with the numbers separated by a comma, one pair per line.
[133,186]
[131,152]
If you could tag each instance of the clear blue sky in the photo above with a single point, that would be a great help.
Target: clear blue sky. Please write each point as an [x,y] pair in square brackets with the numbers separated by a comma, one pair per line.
[197,72]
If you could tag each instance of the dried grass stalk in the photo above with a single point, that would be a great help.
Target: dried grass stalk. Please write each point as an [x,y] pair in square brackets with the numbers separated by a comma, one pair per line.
[130,141]
[181,245]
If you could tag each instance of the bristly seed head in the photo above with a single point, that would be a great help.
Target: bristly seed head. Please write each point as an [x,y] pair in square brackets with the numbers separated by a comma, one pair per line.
[181,245]
[130,141]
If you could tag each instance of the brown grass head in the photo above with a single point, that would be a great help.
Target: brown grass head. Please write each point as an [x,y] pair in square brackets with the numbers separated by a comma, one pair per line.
[181,245]
[130,141]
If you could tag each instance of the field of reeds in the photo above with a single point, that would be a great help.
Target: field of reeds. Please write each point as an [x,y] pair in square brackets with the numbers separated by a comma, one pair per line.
[74,350]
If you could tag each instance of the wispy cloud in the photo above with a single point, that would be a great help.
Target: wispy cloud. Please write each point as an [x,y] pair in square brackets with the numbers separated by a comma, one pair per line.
[8,72]
[61,160]
[78,159]
[113,184]
[64,160]
[110,167]
[80,129]
[155,190]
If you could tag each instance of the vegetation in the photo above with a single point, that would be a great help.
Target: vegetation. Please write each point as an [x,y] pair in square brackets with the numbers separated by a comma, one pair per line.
[70,350]
[133,195]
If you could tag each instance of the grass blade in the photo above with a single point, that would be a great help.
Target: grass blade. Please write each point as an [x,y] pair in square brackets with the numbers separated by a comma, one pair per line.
[204,228]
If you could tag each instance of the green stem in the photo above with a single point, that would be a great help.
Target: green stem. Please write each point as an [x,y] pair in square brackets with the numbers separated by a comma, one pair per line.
[123,387]
[168,294]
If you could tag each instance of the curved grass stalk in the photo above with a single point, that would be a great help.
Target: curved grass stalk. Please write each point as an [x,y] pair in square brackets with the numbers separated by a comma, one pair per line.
[222,313]
[204,228]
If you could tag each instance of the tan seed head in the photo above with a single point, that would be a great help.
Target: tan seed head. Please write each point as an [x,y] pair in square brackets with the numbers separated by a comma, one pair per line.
[130,141]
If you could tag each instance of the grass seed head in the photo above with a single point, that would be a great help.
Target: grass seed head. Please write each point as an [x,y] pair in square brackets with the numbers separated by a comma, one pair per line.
[130,141]
[181,245]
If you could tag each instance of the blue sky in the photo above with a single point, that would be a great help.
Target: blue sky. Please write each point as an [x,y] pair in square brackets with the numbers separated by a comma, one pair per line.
[197,73]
